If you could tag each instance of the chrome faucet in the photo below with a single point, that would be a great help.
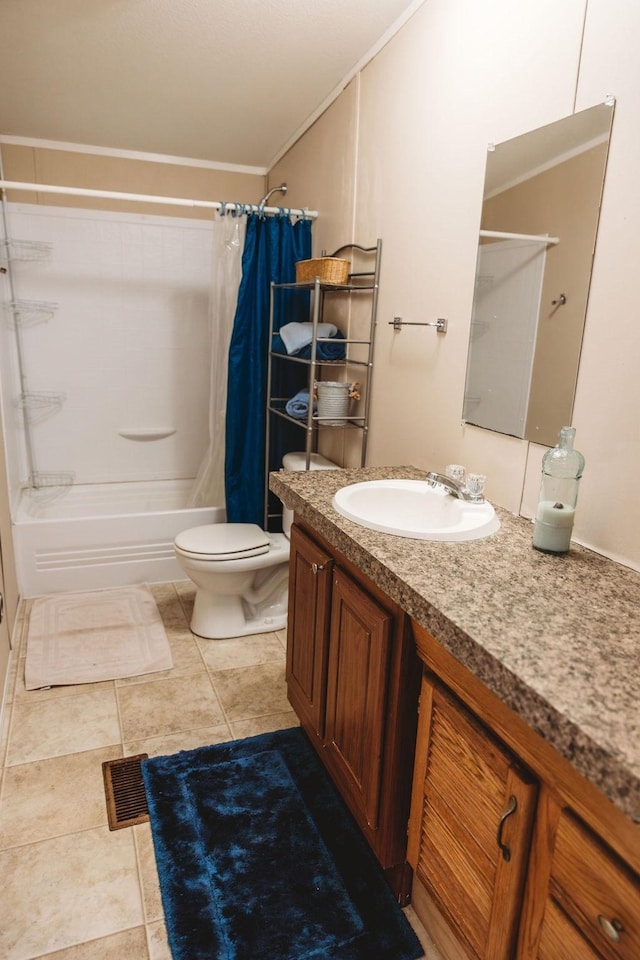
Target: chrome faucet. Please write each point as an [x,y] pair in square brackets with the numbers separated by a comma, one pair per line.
[454,488]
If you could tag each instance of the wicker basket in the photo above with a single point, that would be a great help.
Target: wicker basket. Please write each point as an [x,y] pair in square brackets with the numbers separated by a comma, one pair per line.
[327,269]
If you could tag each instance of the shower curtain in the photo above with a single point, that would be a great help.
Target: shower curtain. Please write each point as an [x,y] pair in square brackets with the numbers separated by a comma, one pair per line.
[228,243]
[272,246]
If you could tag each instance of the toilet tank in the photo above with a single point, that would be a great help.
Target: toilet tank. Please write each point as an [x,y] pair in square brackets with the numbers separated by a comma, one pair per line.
[298,461]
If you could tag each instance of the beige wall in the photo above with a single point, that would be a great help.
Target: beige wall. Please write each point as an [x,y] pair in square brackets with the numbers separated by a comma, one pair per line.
[325,175]
[418,120]
[123,175]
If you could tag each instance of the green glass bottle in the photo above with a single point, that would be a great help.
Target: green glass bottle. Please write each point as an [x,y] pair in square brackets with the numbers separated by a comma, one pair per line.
[562,467]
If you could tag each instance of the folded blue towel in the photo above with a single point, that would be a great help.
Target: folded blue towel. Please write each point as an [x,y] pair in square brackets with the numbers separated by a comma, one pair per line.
[333,349]
[298,406]
[295,335]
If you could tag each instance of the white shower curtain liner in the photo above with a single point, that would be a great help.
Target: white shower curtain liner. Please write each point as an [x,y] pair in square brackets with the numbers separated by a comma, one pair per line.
[228,244]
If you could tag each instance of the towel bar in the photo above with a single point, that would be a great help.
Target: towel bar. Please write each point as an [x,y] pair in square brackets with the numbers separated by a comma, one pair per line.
[440,324]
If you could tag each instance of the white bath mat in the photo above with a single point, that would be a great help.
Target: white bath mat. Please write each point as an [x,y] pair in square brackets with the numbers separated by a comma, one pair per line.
[88,637]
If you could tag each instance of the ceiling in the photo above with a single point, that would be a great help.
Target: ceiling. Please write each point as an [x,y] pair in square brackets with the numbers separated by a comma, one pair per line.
[231,81]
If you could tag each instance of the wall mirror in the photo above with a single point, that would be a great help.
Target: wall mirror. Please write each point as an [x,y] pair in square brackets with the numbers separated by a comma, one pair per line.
[540,210]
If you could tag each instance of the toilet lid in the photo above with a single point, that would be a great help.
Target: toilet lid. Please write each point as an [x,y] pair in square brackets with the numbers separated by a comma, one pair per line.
[224,541]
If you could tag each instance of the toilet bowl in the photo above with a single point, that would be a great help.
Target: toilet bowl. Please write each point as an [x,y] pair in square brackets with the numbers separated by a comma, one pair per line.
[241,573]
[241,577]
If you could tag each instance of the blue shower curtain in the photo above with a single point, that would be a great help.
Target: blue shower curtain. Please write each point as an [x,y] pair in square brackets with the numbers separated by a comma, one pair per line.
[272,246]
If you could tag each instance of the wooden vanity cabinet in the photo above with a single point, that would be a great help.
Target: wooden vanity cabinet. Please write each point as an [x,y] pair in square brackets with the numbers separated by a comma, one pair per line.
[516,856]
[353,678]
[571,888]
[471,820]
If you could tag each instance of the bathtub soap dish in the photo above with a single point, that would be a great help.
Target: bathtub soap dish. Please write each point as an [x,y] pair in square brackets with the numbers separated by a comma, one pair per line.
[59,479]
[146,433]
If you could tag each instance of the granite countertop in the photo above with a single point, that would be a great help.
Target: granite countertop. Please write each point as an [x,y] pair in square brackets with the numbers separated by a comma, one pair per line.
[557,638]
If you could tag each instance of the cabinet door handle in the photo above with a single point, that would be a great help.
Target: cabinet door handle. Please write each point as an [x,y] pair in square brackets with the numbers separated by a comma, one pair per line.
[612,928]
[315,567]
[510,808]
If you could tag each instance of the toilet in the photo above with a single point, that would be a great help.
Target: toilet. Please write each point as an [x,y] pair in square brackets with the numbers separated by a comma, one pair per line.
[241,573]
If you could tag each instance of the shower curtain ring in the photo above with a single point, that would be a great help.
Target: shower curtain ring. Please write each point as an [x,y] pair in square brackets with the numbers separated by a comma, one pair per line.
[223,208]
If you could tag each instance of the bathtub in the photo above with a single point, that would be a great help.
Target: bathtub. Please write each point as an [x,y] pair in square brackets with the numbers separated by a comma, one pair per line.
[90,536]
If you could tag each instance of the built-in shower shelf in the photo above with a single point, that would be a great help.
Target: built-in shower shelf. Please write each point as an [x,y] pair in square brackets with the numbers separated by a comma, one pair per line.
[39,400]
[60,479]
[146,433]
[27,312]
[24,250]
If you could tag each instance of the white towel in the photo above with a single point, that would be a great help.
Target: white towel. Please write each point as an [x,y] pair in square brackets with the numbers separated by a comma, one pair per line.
[295,336]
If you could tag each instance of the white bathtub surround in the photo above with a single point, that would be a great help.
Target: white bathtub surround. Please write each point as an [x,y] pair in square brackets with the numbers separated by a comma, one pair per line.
[91,536]
[128,344]
[129,349]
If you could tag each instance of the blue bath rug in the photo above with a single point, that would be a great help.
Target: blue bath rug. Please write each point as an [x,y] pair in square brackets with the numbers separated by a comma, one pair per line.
[259,859]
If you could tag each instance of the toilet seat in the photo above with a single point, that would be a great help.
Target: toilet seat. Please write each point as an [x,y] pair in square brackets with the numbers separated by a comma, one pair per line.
[223,541]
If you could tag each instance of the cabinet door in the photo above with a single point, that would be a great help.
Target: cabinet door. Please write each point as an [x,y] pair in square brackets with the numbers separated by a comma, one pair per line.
[359,646]
[595,890]
[470,825]
[310,570]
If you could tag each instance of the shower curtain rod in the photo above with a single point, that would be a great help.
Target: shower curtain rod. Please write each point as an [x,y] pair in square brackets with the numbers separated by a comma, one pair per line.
[147,198]
[535,237]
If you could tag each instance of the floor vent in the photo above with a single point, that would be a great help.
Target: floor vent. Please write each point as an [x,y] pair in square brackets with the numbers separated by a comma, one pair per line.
[125,793]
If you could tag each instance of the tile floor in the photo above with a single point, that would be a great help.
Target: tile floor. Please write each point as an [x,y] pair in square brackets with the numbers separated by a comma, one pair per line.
[72,889]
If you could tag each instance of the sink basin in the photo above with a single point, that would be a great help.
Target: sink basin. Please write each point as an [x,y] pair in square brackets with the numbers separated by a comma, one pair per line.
[414,509]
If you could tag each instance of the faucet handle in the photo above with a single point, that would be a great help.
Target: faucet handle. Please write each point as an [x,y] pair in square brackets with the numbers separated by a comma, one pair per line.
[455,471]
[475,485]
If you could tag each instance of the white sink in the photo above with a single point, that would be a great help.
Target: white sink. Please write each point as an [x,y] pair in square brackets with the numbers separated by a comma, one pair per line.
[414,509]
